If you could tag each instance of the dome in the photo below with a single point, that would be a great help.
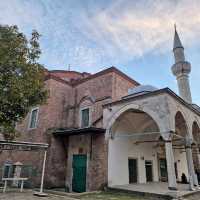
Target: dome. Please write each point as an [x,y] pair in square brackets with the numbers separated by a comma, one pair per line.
[141,89]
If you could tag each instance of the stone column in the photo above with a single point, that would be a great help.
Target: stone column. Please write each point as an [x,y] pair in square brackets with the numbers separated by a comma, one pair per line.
[192,176]
[172,185]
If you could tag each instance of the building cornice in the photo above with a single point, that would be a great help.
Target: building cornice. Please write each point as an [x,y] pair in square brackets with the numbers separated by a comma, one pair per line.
[90,77]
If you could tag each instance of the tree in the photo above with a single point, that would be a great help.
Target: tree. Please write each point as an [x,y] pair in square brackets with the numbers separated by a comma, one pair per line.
[21,77]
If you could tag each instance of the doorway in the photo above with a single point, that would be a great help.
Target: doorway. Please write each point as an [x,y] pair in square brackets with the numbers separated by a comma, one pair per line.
[149,170]
[79,173]
[132,167]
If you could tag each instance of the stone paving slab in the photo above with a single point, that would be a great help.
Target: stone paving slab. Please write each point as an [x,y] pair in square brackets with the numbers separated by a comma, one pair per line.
[157,189]
[29,196]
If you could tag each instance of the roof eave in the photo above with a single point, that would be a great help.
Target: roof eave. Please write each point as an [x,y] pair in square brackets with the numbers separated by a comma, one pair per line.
[163,90]
[79,131]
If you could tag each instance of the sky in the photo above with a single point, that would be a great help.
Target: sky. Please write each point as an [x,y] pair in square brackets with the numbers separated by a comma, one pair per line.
[91,35]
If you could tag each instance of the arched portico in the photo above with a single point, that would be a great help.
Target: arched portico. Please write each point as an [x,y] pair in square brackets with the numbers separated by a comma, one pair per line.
[164,128]
[130,159]
[135,135]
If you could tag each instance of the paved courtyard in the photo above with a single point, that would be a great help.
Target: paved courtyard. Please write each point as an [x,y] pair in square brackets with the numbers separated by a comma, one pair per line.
[91,196]
[28,195]
[160,188]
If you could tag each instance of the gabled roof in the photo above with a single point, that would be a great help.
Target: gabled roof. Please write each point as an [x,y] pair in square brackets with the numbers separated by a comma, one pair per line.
[108,70]
[77,82]
[51,76]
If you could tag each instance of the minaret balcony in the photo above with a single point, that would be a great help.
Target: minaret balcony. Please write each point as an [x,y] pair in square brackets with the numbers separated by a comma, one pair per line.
[181,68]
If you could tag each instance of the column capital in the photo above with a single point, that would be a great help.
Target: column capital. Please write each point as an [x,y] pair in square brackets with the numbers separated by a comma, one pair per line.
[167,136]
[188,142]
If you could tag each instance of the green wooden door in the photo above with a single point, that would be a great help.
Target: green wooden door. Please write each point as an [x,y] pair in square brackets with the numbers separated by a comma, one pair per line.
[79,173]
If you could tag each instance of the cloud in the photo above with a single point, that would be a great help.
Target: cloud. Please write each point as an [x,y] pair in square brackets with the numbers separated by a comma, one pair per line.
[133,29]
[105,32]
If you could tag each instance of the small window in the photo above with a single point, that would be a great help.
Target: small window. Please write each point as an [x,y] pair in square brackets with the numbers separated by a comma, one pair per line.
[85,117]
[33,118]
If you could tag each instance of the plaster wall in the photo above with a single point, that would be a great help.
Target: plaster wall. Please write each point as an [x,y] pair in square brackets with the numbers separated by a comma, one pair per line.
[120,149]
[180,159]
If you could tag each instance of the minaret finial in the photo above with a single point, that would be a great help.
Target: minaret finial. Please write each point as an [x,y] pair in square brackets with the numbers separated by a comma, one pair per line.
[175,26]
[177,41]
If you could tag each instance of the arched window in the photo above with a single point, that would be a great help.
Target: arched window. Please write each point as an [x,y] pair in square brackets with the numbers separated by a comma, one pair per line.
[33,118]
[85,117]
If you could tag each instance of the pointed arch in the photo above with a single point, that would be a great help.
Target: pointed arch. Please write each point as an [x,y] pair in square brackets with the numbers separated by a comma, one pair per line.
[134,121]
[181,126]
[196,132]
[162,123]
[86,98]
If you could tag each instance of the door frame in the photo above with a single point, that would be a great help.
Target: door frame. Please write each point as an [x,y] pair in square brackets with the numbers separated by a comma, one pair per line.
[152,171]
[137,168]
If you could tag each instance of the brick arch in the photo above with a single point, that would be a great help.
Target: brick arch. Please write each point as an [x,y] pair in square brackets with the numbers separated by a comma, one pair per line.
[86,98]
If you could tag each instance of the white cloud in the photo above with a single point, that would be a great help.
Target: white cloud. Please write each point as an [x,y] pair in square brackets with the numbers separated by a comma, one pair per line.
[92,34]
[134,30]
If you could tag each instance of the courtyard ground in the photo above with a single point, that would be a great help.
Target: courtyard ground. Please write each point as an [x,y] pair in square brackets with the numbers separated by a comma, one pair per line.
[111,196]
[28,195]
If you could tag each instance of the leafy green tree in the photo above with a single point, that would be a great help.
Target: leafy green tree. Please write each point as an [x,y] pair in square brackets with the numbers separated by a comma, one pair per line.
[21,77]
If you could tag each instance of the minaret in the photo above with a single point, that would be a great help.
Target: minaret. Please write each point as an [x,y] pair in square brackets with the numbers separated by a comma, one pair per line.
[181,69]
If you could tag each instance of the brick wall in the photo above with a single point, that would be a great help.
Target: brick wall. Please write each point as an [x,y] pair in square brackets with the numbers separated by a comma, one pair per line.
[62,110]
[95,147]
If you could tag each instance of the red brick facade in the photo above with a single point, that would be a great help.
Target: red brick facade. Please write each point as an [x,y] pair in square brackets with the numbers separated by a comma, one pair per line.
[68,93]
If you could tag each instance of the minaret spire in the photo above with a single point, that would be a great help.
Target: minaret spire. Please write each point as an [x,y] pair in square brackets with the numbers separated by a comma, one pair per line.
[177,41]
[181,69]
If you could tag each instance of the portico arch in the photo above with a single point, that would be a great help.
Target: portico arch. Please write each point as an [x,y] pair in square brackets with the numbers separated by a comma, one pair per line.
[196,132]
[180,158]
[181,127]
[196,147]
[134,134]
[162,124]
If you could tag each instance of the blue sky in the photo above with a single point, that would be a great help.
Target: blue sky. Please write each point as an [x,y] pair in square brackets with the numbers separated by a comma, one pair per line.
[91,35]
